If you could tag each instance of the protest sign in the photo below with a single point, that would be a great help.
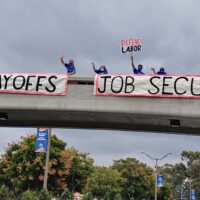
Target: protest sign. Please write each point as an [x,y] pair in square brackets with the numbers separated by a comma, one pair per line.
[45,84]
[172,86]
[131,45]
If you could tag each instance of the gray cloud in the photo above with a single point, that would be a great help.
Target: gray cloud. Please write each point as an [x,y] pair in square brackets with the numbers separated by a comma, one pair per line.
[34,34]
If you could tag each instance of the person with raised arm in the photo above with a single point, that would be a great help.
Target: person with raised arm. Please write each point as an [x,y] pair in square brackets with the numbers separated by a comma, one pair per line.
[137,70]
[152,71]
[69,66]
[101,70]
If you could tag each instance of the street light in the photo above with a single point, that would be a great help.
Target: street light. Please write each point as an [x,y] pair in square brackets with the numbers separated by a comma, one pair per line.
[156,168]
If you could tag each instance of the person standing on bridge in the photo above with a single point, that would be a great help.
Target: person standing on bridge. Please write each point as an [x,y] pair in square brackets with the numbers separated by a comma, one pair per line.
[160,72]
[69,66]
[137,70]
[101,70]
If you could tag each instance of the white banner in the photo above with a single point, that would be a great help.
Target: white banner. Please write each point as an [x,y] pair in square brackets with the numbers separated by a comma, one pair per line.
[45,84]
[172,86]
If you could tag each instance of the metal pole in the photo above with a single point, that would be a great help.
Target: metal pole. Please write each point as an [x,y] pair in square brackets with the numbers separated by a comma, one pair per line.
[156,174]
[47,160]
[156,168]
[181,192]
[190,189]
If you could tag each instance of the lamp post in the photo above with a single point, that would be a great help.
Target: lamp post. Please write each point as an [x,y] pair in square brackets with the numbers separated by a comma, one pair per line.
[156,169]
[47,160]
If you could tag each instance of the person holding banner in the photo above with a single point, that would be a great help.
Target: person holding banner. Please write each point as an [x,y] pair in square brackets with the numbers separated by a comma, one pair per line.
[69,66]
[160,72]
[136,70]
[101,70]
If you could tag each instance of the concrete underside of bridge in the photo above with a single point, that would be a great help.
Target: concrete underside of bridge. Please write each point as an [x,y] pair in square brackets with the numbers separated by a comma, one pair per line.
[81,109]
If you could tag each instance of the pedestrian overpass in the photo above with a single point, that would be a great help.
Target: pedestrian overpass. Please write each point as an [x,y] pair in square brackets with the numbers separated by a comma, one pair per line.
[81,109]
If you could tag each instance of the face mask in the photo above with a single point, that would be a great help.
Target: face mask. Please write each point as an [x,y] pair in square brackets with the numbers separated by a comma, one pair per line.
[139,69]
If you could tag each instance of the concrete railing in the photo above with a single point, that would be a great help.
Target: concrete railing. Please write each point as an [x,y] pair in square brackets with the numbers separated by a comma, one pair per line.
[81,109]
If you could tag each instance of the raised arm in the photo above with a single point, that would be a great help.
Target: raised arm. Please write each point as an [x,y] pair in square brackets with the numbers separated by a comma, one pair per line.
[153,71]
[93,65]
[62,60]
[132,62]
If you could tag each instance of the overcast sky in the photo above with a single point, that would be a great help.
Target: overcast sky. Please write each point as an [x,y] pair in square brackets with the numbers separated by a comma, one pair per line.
[34,34]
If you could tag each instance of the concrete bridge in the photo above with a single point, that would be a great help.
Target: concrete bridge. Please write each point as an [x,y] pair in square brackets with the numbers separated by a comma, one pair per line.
[81,109]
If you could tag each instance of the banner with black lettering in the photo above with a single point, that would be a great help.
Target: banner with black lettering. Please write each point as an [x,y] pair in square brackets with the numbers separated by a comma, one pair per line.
[39,84]
[172,86]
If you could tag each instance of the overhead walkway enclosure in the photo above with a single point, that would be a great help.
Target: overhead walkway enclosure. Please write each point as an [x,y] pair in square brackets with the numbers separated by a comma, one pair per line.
[81,109]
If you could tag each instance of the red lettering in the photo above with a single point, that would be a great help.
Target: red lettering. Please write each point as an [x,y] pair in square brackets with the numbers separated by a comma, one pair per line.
[131,42]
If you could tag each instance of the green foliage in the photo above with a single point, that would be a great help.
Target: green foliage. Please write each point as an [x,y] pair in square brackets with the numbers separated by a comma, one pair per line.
[66,195]
[5,194]
[22,168]
[88,196]
[29,195]
[105,181]
[165,192]
[81,169]
[117,197]
[106,197]
[138,179]
[177,174]
[44,195]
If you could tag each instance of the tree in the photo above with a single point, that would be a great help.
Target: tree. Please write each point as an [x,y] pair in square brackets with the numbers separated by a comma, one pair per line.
[165,192]
[174,175]
[22,168]
[81,168]
[138,179]
[105,181]
[177,174]
[192,159]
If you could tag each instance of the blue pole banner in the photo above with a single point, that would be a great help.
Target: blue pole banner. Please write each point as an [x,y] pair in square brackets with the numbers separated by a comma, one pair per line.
[160,181]
[193,195]
[41,140]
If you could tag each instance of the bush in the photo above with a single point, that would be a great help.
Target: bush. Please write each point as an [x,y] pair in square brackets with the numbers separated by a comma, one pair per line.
[117,197]
[66,195]
[106,197]
[44,195]
[5,193]
[29,195]
[88,196]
